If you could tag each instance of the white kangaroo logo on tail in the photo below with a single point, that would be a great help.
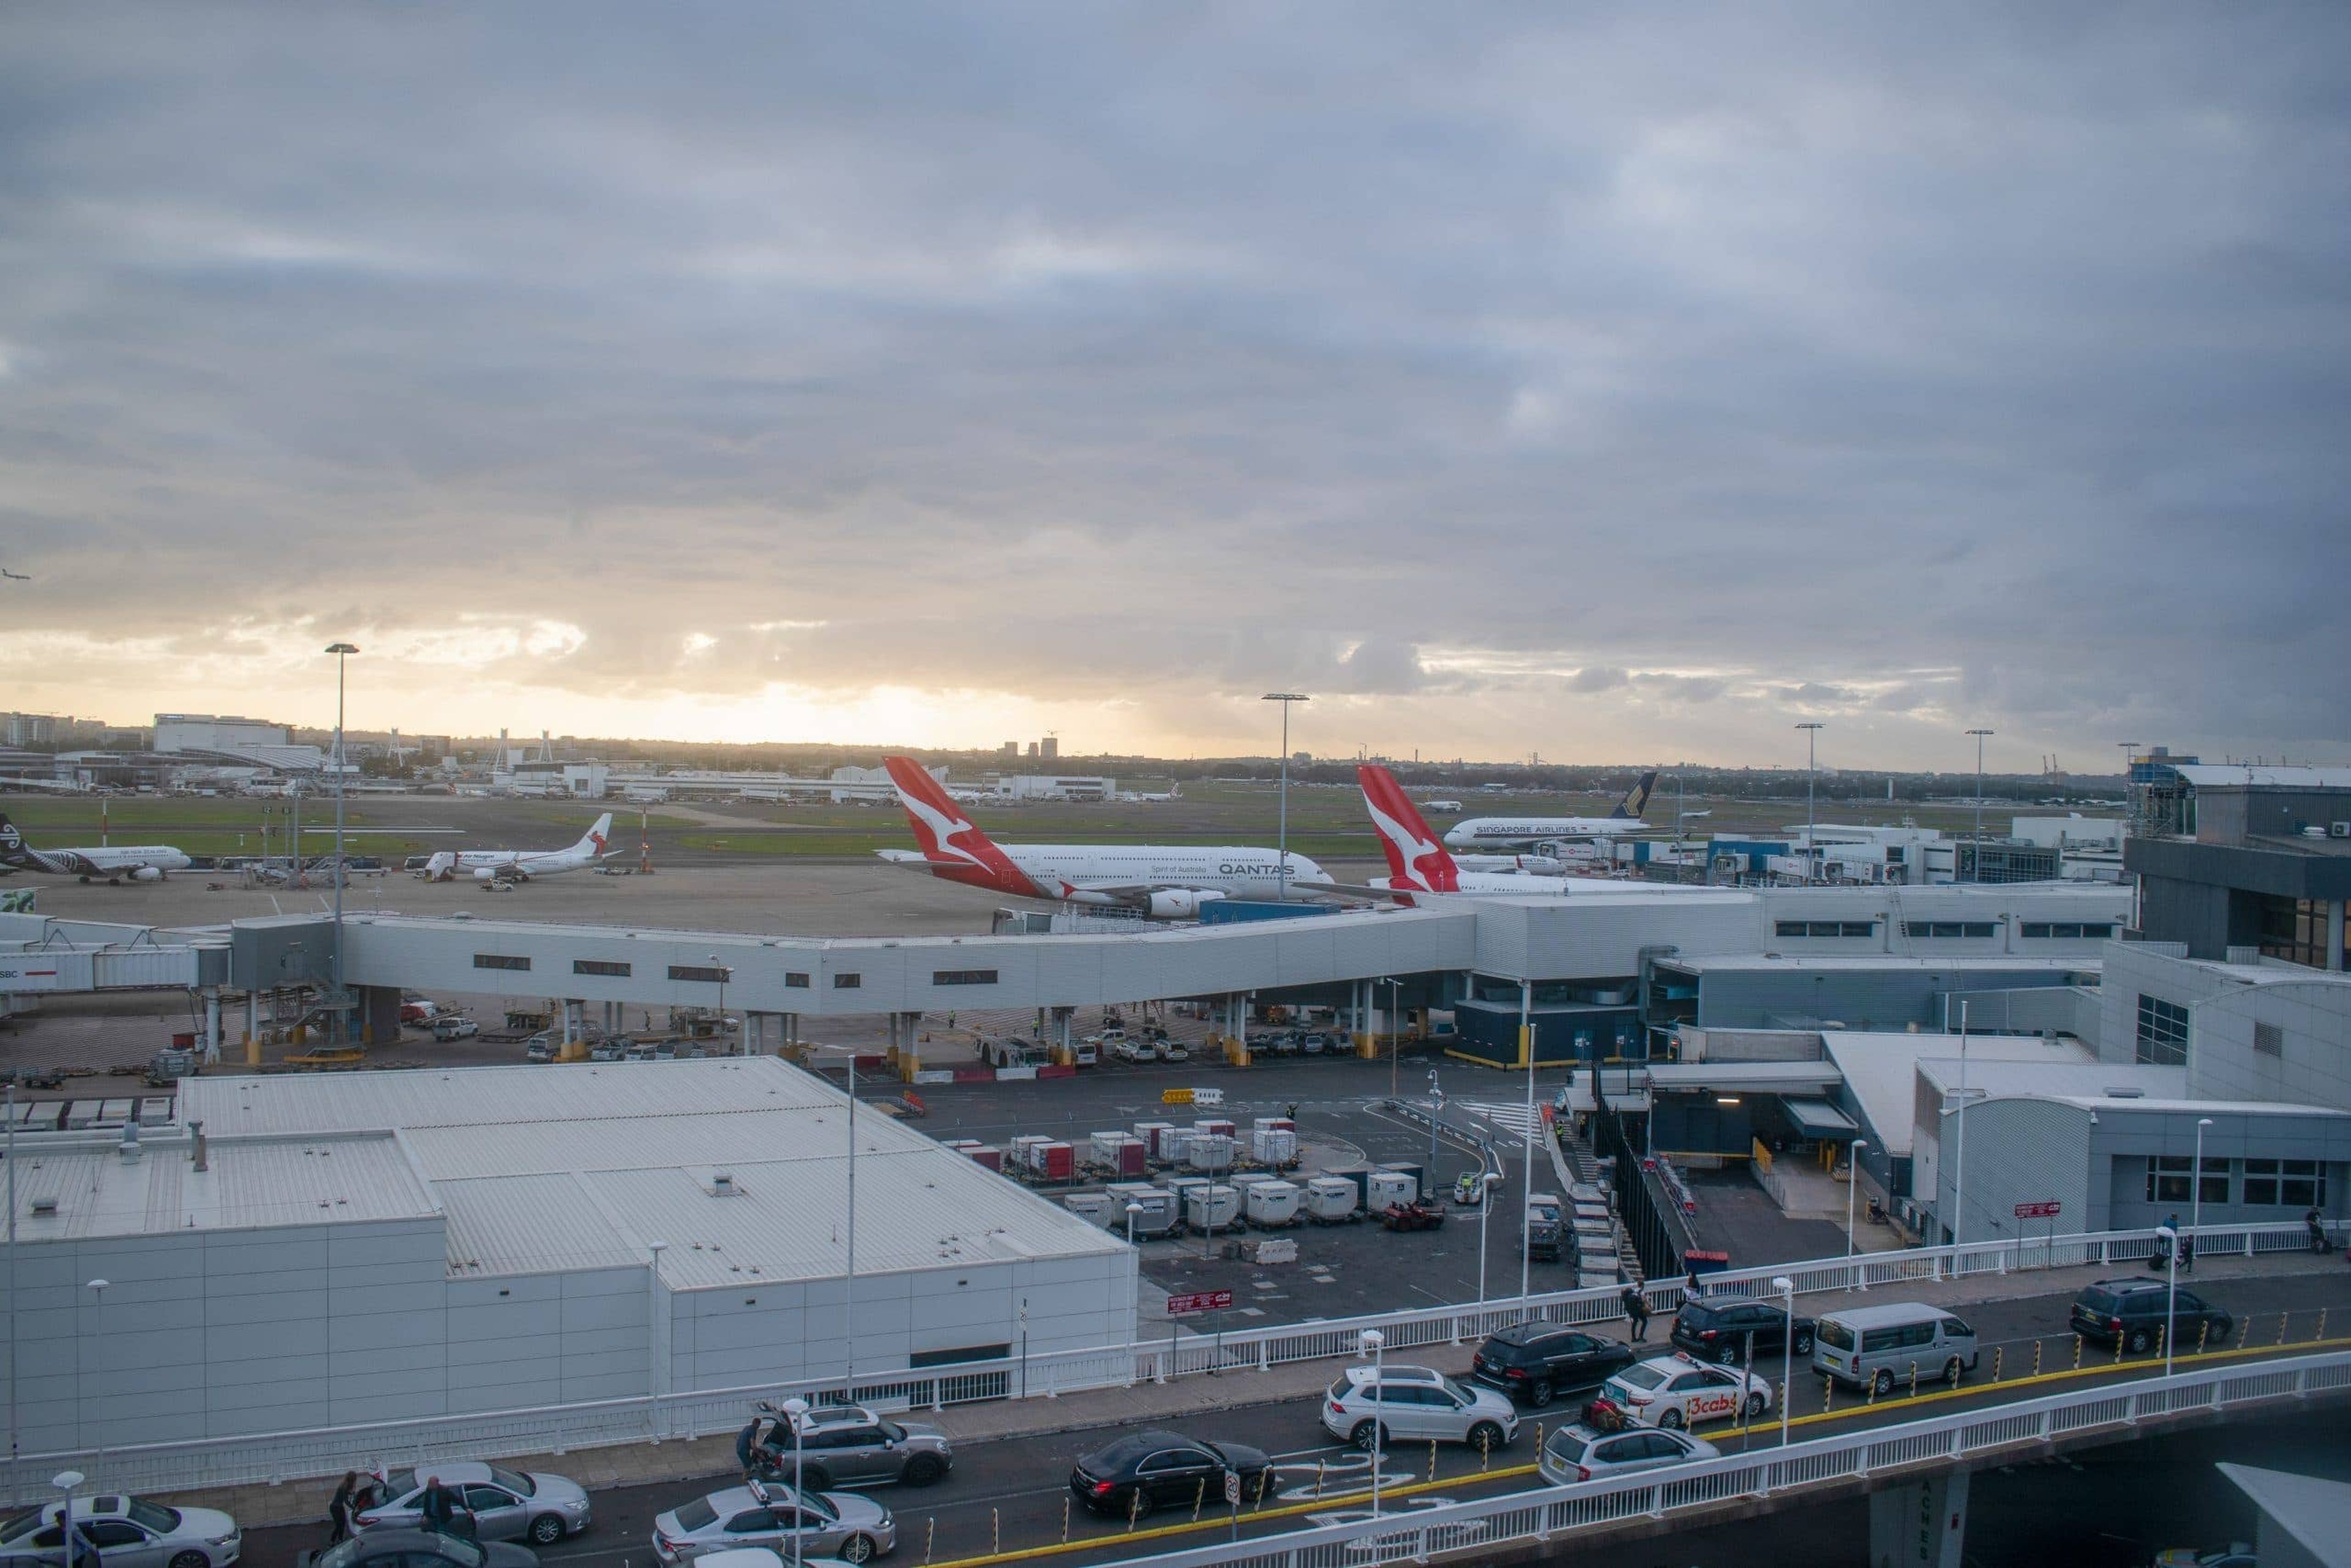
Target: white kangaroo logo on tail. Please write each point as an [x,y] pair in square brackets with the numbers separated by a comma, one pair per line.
[1410,847]
[944,829]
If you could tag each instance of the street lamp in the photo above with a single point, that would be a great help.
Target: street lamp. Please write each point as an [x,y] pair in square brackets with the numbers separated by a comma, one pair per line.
[796,1411]
[64,1481]
[1133,1210]
[652,1336]
[97,1456]
[1812,728]
[341,651]
[1395,1026]
[1282,843]
[1486,1186]
[1960,1141]
[1526,1211]
[725,971]
[1787,1289]
[1369,1343]
[2195,1217]
[1853,1181]
[1436,1111]
[1980,735]
[849,1282]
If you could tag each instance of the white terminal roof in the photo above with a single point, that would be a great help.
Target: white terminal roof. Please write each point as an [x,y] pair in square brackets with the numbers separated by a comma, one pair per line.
[2219,775]
[1881,1069]
[248,1184]
[2122,1083]
[1993,963]
[541,1169]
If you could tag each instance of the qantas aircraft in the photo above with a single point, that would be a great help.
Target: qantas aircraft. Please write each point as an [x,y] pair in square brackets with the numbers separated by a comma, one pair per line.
[510,866]
[1165,881]
[140,862]
[1481,833]
[1419,866]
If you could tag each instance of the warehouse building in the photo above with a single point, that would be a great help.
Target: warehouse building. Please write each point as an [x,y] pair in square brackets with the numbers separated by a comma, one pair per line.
[362,1248]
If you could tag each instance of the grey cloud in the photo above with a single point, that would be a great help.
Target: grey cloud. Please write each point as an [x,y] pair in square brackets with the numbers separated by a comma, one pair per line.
[1215,344]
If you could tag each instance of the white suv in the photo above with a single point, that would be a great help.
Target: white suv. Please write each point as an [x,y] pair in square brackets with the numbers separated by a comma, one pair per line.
[1413,1401]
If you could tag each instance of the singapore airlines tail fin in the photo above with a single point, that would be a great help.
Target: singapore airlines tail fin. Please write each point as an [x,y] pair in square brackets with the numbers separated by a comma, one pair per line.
[1415,860]
[952,847]
[1638,800]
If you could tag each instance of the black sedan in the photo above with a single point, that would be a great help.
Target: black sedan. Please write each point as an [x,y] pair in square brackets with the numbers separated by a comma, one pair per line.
[1720,1331]
[1143,1470]
[418,1548]
[1538,1362]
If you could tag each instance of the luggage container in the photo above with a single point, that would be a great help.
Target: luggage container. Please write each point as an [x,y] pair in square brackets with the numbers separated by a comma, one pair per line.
[1272,1124]
[1414,1169]
[1057,1162]
[1132,1160]
[1160,1215]
[1181,1188]
[1214,1127]
[1023,1149]
[1273,1205]
[1333,1200]
[1245,1180]
[1176,1146]
[992,1158]
[1211,1205]
[1382,1188]
[1211,1152]
[1149,1132]
[1096,1208]
[1276,1146]
[1101,1148]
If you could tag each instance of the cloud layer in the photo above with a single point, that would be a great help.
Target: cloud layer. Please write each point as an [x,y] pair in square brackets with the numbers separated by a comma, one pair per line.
[1606,385]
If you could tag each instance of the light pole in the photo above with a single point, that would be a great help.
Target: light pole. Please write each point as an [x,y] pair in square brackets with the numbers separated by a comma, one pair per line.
[1960,1141]
[796,1411]
[1980,735]
[1435,1114]
[725,972]
[341,651]
[1526,1211]
[1282,841]
[1368,1342]
[1812,728]
[1853,1181]
[97,1450]
[849,1282]
[652,1336]
[1787,1289]
[1487,1183]
[2195,1217]
[1396,1027]
[64,1481]
[1133,1210]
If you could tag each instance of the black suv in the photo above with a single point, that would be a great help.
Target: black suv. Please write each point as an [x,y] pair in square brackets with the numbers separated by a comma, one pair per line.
[1539,1362]
[2131,1312]
[1720,1331]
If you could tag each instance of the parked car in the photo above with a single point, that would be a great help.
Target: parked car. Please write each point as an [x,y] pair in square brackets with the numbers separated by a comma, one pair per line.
[418,1548]
[1581,1453]
[2131,1312]
[453,1026]
[1675,1391]
[1538,1362]
[1881,1346]
[1137,1473]
[507,1505]
[1414,1403]
[125,1531]
[1720,1331]
[838,1525]
[539,1050]
[843,1446]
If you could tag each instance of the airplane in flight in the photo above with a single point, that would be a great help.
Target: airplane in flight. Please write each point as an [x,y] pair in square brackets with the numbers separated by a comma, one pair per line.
[1163,882]
[1420,867]
[1485,832]
[506,867]
[134,863]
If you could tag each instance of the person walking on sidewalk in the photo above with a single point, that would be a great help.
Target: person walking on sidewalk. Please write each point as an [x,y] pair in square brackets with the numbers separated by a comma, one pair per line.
[1636,1309]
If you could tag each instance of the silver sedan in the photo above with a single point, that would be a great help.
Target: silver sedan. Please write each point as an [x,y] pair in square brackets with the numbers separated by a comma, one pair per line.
[507,1505]
[836,1524]
[126,1533]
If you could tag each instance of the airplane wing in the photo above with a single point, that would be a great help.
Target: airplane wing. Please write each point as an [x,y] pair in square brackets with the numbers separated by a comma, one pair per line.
[1356,890]
[1132,889]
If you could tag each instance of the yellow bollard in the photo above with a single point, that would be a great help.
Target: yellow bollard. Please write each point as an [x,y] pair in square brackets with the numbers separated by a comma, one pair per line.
[1133,1510]
[931,1542]
[2077,1353]
[1485,1454]
[1914,1380]
[2036,1358]
[996,1531]
[1432,1458]
[1828,1393]
[1198,1498]
[2162,1334]
[1318,1480]
[1996,1351]
[1065,1521]
[2322,1324]
[2118,1349]
[2282,1318]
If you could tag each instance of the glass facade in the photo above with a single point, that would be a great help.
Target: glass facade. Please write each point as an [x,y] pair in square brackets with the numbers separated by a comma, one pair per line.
[2294,929]
[2162,1032]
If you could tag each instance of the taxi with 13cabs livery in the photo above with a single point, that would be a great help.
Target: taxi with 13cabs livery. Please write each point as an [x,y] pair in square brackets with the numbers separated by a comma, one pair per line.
[1676,1391]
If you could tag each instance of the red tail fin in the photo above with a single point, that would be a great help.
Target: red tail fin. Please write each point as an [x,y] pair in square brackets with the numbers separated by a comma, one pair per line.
[957,850]
[1415,860]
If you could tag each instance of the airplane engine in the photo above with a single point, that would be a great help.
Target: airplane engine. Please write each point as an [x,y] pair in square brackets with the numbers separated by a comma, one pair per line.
[486,874]
[1179,903]
[146,873]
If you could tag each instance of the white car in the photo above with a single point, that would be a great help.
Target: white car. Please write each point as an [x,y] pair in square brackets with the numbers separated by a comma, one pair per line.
[1673,1391]
[507,1505]
[126,1530]
[1580,1453]
[1414,1403]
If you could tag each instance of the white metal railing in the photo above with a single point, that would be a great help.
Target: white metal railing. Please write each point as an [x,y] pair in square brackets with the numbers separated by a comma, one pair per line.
[1546,1513]
[276,1456]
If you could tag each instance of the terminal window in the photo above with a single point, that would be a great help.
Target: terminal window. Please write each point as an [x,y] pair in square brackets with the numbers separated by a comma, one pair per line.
[499,961]
[1980,929]
[2162,1032]
[715,976]
[2095,931]
[599,966]
[963,977]
[2167,1178]
[1827,928]
[2285,1184]
[847,982]
[796,979]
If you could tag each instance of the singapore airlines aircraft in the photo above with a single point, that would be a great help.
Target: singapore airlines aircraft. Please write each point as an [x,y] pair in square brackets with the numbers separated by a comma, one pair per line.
[509,866]
[139,863]
[1481,833]
[1165,881]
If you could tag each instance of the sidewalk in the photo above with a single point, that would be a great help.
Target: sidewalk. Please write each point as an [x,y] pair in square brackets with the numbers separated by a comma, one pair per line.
[1153,1403]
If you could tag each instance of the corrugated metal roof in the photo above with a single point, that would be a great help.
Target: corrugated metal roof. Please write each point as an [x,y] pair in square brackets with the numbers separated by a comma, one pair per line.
[1881,1070]
[1962,963]
[2221,774]
[248,1185]
[623,1143]
[528,1225]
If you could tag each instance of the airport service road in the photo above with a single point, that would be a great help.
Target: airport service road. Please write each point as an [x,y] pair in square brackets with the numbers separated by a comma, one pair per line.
[1013,1490]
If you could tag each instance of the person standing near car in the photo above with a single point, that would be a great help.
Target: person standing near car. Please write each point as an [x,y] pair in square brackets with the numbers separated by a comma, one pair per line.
[1636,1309]
[441,1510]
[338,1508]
[2317,1225]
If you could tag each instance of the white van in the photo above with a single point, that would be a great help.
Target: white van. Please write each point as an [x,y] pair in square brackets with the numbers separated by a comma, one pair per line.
[1883,1347]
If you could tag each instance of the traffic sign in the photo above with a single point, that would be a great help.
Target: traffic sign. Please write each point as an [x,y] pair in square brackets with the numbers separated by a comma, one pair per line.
[2038,1210]
[1198,1302]
[1232,1485]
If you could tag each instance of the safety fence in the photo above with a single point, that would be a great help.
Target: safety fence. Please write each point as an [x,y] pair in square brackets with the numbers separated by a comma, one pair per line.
[1548,1516]
[278,1457]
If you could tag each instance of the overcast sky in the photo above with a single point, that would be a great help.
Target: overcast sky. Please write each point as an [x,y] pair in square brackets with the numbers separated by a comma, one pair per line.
[1614,382]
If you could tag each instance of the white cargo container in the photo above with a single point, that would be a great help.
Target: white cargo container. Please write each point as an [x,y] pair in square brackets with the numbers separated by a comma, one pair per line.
[1150,1132]
[1211,1152]
[1102,1147]
[1160,1210]
[1273,1204]
[1211,1205]
[1274,1146]
[1096,1208]
[1330,1201]
[1382,1188]
[1176,1146]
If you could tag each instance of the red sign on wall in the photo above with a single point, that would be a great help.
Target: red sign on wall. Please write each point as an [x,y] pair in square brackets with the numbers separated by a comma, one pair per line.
[2037,1210]
[1198,1302]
